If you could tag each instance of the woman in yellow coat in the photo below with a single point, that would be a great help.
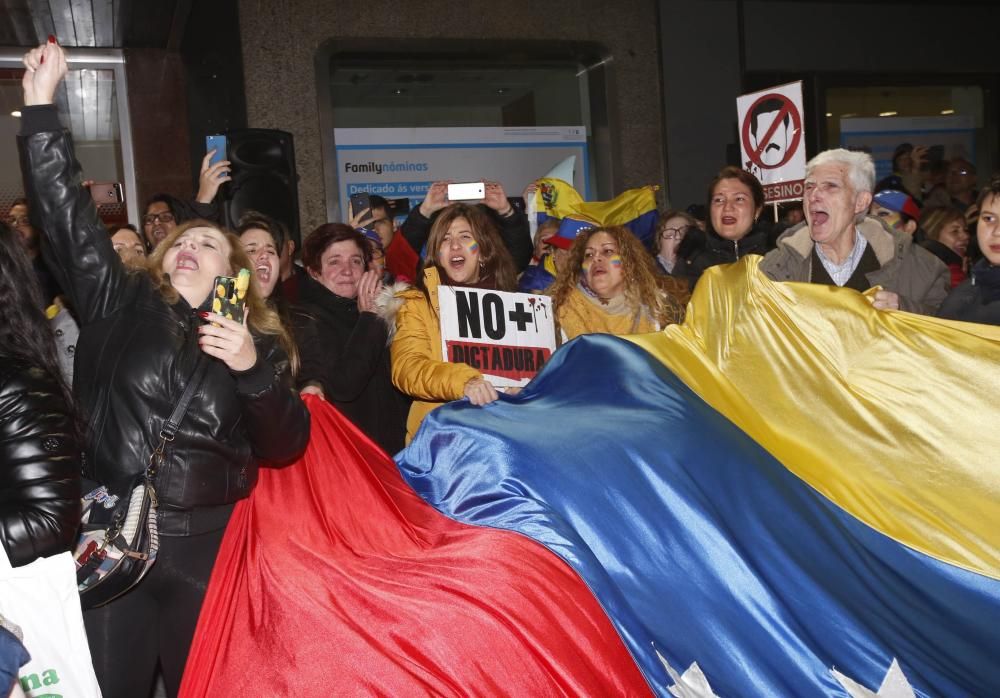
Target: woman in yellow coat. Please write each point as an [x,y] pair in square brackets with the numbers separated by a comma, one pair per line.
[464,249]
[609,285]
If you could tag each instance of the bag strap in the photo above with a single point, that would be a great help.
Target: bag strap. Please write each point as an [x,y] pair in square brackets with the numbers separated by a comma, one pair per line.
[169,429]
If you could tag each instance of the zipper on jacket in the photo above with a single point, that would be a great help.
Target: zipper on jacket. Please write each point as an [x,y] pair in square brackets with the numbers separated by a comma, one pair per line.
[736,248]
[241,481]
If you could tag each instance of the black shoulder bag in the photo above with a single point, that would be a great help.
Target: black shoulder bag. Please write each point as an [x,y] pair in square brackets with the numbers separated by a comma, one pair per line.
[118,537]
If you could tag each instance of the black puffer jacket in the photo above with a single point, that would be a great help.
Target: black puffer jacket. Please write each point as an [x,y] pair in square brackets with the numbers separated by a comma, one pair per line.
[136,352]
[977,299]
[699,251]
[39,464]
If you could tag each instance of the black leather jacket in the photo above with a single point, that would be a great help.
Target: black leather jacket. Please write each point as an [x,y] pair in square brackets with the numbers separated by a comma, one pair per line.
[39,465]
[136,352]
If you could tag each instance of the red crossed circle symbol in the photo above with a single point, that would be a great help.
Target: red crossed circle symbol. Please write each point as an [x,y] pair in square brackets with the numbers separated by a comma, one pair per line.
[787,108]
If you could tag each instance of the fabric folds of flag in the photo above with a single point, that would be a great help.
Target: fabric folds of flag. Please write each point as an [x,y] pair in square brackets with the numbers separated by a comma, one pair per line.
[791,490]
[634,208]
[785,486]
[334,578]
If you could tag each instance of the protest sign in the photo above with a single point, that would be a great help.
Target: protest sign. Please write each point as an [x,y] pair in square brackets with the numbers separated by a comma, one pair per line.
[771,139]
[507,336]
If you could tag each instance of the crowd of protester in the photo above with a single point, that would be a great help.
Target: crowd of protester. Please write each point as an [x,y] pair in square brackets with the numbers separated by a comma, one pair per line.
[356,323]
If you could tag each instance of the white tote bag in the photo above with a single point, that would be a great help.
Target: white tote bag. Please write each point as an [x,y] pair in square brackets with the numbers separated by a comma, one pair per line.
[42,599]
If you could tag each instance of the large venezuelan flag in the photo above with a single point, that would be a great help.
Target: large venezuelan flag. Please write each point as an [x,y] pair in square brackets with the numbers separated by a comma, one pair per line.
[792,490]
[335,579]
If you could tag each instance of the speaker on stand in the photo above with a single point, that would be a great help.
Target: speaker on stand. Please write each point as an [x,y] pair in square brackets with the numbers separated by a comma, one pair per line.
[263,177]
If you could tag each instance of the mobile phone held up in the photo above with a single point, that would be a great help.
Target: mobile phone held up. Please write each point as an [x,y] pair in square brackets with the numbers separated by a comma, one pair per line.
[359,202]
[219,144]
[467,191]
[230,298]
[106,193]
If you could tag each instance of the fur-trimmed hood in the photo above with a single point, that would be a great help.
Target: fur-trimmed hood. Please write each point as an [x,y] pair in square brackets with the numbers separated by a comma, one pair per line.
[387,305]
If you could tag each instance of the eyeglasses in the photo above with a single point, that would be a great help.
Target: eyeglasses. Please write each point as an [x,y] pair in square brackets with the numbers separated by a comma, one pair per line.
[674,233]
[151,218]
[17,221]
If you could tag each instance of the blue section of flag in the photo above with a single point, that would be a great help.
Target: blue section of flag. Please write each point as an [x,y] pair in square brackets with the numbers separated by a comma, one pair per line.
[644,226]
[697,542]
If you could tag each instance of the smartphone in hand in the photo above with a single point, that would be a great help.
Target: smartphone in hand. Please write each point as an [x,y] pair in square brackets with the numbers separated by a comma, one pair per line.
[106,193]
[230,297]
[219,144]
[359,202]
[467,191]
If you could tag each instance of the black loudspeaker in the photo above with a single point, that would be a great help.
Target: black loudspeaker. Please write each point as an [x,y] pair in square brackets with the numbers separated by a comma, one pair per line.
[263,177]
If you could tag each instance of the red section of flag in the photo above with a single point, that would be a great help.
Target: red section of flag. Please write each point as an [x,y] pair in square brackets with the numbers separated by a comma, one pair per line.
[511,362]
[335,578]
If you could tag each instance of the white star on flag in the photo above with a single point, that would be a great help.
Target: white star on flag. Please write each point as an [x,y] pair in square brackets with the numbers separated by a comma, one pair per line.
[894,685]
[692,684]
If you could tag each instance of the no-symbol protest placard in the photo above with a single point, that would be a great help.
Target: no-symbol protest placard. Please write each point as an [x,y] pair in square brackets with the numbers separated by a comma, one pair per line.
[507,336]
[771,139]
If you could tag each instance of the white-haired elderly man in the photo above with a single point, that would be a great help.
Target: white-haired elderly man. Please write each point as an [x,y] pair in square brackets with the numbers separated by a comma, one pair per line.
[838,244]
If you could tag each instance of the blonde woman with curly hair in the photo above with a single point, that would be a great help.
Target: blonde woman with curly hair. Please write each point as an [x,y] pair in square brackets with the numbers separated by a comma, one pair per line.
[609,285]
[142,333]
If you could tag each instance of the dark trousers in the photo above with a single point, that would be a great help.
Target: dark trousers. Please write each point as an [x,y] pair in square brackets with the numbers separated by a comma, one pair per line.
[155,622]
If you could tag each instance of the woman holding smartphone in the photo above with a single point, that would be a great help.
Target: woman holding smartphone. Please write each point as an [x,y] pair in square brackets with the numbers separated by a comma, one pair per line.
[463,249]
[141,337]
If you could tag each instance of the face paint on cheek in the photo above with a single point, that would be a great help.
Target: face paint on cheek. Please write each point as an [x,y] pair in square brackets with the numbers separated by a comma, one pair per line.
[472,246]
[586,265]
[615,260]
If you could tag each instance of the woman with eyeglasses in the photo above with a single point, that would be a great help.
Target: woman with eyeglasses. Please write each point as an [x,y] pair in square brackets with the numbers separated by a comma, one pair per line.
[609,285]
[674,226]
[165,212]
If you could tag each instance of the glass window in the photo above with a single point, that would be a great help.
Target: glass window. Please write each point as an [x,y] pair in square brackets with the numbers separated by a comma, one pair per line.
[502,106]
[948,119]
[450,95]
[91,104]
